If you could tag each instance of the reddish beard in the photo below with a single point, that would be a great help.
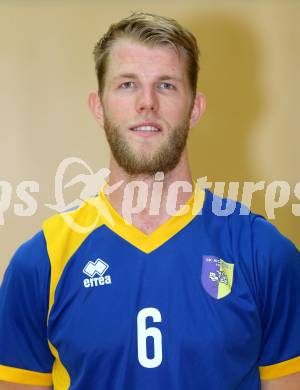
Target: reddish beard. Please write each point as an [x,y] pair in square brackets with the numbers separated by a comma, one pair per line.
[164,159]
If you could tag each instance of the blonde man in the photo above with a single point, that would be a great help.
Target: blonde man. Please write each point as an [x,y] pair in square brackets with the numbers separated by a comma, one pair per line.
[165,301]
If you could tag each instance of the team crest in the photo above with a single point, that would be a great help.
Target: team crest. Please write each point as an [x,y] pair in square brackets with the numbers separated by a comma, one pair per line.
[216,276]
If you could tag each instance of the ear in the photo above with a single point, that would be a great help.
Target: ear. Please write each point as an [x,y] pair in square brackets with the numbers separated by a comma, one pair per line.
[96,107]
[198,109]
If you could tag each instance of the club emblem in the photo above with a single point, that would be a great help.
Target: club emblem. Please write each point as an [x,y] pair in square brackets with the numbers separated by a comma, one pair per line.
[216,276]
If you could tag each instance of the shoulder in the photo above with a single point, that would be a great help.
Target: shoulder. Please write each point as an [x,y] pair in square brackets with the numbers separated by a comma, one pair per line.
[276,259]
[64,232]
[248,233]
[268,239]
[31,256]
[27,276]
[228,223]
[235,215]
[81,220]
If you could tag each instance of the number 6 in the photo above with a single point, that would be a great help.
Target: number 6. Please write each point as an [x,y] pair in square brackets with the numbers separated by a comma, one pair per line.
[143,333]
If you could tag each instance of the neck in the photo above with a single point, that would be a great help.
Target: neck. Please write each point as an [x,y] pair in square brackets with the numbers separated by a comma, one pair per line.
[150,200]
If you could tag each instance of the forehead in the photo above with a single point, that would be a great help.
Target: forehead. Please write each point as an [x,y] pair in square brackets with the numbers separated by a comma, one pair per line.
[128,55]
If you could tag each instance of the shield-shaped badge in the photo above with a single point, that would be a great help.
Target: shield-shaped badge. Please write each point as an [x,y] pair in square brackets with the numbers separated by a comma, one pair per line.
[216,276]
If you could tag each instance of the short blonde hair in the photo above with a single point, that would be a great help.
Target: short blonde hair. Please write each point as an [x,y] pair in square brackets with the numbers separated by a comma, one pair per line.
[152,30]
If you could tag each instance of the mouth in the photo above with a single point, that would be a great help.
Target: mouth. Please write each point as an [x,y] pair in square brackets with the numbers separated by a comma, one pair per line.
[146,128]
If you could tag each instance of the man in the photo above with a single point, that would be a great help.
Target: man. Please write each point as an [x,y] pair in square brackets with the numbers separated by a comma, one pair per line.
[187,301]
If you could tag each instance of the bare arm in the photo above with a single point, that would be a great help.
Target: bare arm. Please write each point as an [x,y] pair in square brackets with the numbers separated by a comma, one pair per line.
[289,382]
[15,386]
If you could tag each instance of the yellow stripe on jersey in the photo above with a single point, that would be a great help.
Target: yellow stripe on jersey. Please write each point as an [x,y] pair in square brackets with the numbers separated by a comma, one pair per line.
[149,242]
[274,371]
[25,377]
[60,376]
[64,234]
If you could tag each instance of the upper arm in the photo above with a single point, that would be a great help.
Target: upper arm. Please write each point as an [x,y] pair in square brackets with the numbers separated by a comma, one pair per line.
[25,356]
[289,382]
[277,262]
[15,386]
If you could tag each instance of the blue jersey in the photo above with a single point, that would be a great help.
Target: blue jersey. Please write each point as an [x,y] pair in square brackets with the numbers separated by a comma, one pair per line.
[204,302]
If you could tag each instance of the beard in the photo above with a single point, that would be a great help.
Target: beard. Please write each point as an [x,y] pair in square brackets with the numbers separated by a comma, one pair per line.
[164,159]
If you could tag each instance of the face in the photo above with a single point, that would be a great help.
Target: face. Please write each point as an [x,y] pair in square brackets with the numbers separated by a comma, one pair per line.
[146,106]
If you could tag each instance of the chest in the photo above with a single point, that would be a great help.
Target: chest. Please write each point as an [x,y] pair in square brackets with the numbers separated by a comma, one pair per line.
[156,310]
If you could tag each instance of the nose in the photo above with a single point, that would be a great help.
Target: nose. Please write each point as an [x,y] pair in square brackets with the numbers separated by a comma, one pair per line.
[147,101]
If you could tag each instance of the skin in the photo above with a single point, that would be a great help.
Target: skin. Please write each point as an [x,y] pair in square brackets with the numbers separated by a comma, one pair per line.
[149,101]
[148,98]
[289,382]
[15,386]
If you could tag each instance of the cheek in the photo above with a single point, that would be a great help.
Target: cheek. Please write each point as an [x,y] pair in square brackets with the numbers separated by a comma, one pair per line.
[174,110]
[119,107]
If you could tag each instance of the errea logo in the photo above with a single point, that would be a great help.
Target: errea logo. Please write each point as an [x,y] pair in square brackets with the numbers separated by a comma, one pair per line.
[95,270]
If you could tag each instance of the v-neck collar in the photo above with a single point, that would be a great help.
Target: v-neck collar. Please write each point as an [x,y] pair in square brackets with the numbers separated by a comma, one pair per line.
[149,242]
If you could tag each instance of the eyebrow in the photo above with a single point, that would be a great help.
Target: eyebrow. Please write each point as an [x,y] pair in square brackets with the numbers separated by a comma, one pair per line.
[134,76]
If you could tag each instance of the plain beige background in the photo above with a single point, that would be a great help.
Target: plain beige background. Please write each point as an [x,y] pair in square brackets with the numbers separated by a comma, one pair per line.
[250,61]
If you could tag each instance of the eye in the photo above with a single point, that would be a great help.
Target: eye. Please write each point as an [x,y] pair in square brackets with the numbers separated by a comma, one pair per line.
[127,85]
[166,86]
